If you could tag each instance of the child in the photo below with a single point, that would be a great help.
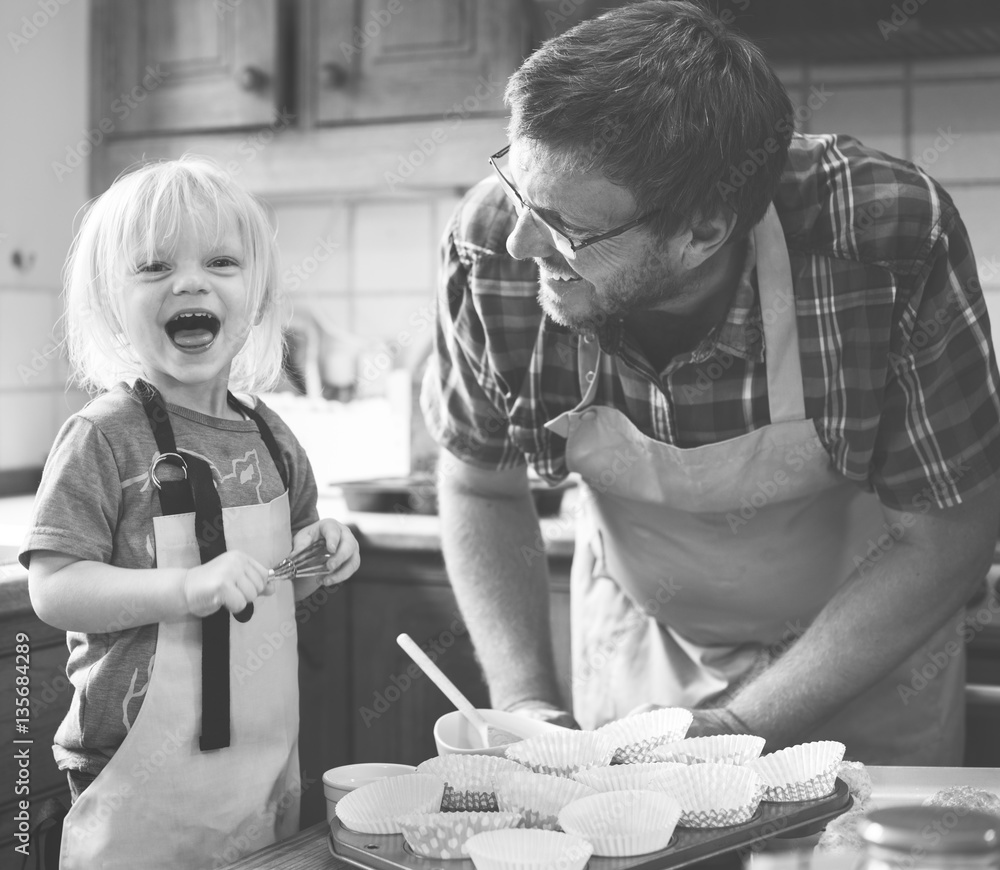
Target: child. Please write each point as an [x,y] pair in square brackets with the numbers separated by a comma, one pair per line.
[163,504]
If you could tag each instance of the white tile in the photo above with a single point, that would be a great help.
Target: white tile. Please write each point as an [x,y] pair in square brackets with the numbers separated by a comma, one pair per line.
[811,104]
[980,65]
[397,326]
[872,114]
[993,312]
[29,342]
[390,247]
[444,208]
[956,130]
[27,428]
[980,210]
[856,73]
[314,244]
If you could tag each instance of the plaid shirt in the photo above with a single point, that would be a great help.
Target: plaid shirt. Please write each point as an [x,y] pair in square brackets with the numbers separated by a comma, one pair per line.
[898,369]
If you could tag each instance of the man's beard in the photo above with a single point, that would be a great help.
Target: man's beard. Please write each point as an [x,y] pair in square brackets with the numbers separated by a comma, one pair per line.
[634,289]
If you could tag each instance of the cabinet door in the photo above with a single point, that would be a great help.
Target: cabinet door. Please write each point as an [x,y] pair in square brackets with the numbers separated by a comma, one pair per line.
[394,705]
[175,65]
[377,59]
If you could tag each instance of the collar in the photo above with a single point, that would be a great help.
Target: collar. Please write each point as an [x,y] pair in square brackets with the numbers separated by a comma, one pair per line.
[740,333]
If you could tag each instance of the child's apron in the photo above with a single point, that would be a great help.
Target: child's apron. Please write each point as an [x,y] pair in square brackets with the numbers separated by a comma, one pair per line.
[695,567]
[162,801]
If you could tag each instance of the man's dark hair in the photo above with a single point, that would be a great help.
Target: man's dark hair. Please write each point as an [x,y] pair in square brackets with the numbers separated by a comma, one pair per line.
[665,101]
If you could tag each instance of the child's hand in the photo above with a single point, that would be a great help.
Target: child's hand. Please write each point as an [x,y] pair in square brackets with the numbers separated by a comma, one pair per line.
[340,543]
[231,580]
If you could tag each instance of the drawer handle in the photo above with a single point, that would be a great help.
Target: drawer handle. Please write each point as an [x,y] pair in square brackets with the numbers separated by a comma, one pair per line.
[333,76]
[253,78]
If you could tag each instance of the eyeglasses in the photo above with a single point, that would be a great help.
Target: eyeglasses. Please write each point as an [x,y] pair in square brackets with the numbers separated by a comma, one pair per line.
[560,235]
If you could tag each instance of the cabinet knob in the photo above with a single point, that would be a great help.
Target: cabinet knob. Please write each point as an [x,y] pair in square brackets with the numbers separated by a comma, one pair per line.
[253,78]
[333,75]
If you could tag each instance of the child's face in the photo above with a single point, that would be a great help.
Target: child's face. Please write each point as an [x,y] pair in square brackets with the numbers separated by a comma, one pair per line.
[186,314]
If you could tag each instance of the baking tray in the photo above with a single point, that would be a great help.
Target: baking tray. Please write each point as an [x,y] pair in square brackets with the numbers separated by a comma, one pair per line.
[688,845]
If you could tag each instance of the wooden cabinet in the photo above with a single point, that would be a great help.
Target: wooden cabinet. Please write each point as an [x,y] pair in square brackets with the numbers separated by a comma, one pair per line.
[189,65]
[184,66]
[382,59]
[50,695]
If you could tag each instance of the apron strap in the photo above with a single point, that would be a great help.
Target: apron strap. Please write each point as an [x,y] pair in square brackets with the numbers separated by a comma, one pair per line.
[266,435]
[197,494]
[211,536]
[781,330]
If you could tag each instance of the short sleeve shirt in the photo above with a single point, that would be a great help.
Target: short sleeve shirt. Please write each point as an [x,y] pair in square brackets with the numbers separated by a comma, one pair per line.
[899,374]
[96,501]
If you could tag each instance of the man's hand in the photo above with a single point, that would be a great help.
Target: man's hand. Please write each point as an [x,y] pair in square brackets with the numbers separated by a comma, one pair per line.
[707,721]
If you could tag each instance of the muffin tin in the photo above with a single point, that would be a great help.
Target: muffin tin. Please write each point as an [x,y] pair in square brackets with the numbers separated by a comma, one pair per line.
[389,851]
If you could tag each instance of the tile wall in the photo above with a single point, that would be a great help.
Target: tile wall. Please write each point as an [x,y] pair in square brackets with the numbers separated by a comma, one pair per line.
[43,101]
[942,115]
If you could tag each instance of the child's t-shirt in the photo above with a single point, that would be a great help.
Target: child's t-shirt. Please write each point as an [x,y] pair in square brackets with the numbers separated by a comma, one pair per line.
[96,501]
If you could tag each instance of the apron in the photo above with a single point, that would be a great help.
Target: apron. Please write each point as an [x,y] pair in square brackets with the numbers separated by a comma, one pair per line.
[163,800]
[695,568]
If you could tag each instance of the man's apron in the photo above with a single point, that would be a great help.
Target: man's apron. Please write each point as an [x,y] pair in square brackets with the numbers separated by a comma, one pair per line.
[695,568]
[162,801]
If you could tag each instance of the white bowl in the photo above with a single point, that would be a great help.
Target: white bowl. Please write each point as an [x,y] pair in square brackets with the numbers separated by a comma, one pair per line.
[339,781]
[454,735]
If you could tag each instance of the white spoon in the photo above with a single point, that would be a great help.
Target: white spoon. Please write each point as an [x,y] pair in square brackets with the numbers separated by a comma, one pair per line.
[488,735]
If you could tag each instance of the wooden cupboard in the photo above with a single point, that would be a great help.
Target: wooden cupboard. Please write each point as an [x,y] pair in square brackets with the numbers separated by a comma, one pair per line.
[183,66]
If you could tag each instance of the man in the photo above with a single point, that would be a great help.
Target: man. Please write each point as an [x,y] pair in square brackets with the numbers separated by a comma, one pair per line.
[768,358]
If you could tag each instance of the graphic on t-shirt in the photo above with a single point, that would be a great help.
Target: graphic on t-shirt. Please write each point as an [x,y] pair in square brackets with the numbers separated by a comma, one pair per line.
[246,472]
[134,693]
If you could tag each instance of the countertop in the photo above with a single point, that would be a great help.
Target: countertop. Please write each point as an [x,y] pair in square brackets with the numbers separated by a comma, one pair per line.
[308,850]
[402,531]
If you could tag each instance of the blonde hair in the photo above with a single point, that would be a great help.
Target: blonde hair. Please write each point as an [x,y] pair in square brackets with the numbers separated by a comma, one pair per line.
[145,208]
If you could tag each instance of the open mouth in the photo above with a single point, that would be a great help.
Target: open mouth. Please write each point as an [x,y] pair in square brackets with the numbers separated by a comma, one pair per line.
[193,330]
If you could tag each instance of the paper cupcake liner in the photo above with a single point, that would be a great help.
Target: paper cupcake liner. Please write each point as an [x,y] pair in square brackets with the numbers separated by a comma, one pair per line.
[803,772]
[636,737]
[718,748]
[520,849]
[443,835]
[622,823]
[712,795]
[468,780]
[538,797]
[624,777]
[373,808]
[563,753]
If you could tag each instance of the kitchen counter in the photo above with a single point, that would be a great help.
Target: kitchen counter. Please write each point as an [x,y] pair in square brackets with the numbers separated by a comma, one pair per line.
[378,531]
[890,785]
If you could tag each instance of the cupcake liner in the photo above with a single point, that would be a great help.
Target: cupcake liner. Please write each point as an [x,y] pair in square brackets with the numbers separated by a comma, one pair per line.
[373,808]
[803,772]
[624,777]
[468,780]
[520,849]
[622,823]
[718,748]
[636,737]
[712,795]
[563,753]
[538,797]
[443,835]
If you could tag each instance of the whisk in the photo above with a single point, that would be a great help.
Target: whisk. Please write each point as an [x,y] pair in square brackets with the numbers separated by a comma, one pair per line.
[310,562]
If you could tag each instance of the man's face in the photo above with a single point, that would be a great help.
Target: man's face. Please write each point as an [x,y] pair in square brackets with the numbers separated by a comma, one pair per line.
[623,275]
